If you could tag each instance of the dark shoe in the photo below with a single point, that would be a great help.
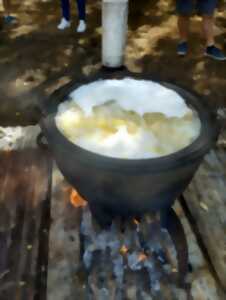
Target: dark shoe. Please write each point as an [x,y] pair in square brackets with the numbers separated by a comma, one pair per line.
[9,20]
[215,53]
[182,48]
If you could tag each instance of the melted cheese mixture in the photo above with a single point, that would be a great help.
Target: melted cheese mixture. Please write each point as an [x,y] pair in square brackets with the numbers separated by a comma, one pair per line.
[128,119]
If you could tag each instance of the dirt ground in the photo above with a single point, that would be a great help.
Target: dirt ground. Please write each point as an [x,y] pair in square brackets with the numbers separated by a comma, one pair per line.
[36,58]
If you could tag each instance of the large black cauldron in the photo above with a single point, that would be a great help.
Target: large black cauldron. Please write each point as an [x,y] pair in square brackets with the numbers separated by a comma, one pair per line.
[128,187]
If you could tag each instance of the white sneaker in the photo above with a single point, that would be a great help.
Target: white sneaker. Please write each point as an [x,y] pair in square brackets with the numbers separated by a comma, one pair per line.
[81,26]
[64,24]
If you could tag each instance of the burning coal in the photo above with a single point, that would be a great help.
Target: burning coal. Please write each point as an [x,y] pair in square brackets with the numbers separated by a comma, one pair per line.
[122,252]
[76,200]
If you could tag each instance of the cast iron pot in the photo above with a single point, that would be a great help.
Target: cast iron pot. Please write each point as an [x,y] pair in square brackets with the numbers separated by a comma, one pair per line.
[126,187]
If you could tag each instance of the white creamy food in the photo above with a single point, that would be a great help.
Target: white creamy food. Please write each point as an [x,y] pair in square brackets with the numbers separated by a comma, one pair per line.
[132,119]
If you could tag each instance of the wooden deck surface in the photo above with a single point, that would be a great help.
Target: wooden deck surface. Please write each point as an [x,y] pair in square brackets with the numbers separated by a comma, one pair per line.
[24,180]
[206,201]
[26,247]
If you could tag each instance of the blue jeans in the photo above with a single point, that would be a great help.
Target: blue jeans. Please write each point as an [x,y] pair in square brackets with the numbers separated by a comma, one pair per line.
[65,4]
[203,7]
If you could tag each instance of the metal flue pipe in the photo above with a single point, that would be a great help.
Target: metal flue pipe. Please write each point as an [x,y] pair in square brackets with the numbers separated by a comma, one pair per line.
[114,28]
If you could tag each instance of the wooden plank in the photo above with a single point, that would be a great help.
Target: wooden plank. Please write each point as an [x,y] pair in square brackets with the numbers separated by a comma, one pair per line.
[25,192]
[24,175]
[221,151]
[64,244]
[206,200]
[203,284]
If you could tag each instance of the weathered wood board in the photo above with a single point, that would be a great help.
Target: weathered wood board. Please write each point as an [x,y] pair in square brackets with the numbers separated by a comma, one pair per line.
[206,200]
[24,182]
[64,243]
[204,285]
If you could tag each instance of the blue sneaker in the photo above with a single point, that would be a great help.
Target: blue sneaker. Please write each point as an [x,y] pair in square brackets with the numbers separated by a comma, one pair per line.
[9,19]
[215,53]
[182,48]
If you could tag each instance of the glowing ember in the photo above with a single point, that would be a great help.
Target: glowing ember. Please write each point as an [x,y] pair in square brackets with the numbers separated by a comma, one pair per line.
[76,200]
[142,257]
[124,249]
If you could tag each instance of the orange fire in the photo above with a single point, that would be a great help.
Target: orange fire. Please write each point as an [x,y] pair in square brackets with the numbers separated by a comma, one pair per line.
[142,257]
[76,200]
[124,250]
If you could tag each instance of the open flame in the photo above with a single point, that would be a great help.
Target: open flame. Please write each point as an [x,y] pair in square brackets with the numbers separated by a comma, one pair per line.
[123,250]
[76,200]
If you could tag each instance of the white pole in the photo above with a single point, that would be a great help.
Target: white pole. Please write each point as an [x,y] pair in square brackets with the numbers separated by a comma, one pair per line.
[114,28]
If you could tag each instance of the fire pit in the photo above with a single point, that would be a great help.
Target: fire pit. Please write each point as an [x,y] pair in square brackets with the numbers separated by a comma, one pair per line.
[132,188]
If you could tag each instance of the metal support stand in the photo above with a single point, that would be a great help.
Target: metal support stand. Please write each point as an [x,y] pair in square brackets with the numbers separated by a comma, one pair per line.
[171,222]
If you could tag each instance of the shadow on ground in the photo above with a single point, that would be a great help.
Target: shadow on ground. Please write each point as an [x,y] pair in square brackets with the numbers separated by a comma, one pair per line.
[36,59]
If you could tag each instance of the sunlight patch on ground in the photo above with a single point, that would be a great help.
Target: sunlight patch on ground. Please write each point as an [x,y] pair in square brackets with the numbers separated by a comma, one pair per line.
[12,138]
[145,39]
[164,6]
[22,30]
[98,30]
[26,81]
[82,41]
[69,50]
[89,69]
[58,84]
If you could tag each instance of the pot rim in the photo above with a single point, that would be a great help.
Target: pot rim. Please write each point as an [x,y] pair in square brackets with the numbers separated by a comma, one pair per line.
[194,151]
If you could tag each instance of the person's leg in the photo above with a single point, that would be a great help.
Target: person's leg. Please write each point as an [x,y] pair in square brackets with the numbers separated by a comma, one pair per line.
[184,9]
[183,27]
[208,31]
[206,9]
[65,21]
[65,5]
[81,9]
[81,15]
